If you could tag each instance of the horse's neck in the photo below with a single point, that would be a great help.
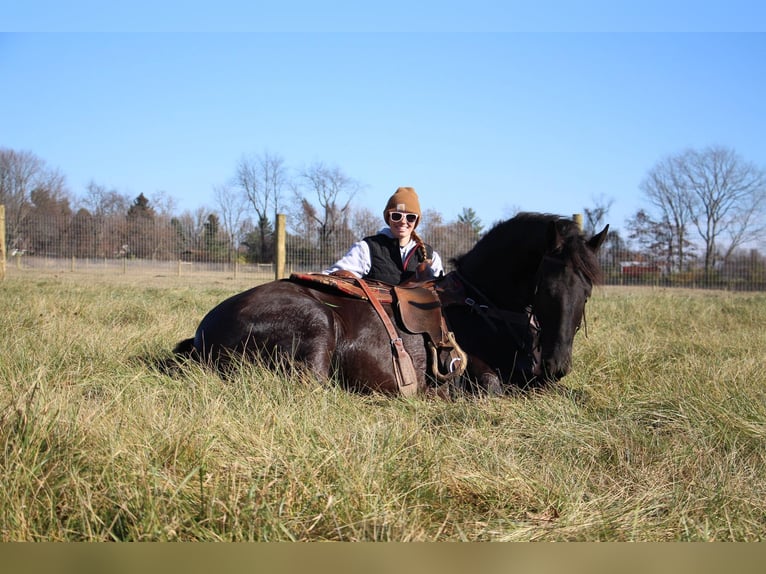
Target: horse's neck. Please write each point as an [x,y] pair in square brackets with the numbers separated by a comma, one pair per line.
[513,285]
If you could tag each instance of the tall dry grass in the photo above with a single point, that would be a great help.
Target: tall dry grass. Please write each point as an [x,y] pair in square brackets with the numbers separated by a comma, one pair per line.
[658,433]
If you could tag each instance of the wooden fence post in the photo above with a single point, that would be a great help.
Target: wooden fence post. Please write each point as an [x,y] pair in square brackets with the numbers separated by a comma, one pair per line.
[578,220]
[281,248]
[2,242]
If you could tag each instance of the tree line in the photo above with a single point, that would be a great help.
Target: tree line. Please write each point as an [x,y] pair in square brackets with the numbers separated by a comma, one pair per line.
[702,209]
[44,218]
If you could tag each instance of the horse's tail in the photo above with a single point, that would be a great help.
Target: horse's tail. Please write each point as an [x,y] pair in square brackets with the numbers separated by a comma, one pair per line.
[185,348]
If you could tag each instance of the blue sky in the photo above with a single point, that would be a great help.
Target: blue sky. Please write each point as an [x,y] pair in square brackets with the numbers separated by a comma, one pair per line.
[493,120]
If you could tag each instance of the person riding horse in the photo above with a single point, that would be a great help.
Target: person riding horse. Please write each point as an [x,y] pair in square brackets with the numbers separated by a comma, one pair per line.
[396,254]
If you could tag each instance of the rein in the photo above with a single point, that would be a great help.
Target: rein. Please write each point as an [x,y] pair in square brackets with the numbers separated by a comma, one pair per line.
[488,310]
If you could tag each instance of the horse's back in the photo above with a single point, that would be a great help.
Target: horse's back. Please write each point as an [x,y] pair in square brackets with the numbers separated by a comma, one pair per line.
[271,310]
[276,321]
[328,332]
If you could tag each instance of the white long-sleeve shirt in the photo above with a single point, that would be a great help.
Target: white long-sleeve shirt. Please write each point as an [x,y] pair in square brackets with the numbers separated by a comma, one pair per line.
[358,260]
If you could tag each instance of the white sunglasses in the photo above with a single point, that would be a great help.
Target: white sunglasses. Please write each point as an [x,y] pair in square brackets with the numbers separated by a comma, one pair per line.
[397,216]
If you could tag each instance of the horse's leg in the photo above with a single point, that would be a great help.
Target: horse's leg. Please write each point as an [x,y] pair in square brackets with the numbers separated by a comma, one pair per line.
[357,354]
[364,357]
[483,378]
[316,354]
[307,337]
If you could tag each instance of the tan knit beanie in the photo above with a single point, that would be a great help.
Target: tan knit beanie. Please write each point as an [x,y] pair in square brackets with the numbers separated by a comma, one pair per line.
[405,200]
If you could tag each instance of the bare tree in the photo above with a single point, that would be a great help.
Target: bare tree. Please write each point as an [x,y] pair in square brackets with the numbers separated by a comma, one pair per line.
[163,204]
[102,202]
[232,205]
[107,208]
[441,235]
[716,192]
[595,217]
[364,222]
[334,191]
[302,218]
[21,174]
[263,178]
[727,199]
[664,188]
[432,225]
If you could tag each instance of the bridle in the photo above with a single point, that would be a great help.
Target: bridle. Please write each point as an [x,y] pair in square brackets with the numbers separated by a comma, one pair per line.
[538,278]
[522,326]
[483,306]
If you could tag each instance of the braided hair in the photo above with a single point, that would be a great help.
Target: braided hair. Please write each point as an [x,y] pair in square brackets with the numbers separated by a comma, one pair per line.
[421,245]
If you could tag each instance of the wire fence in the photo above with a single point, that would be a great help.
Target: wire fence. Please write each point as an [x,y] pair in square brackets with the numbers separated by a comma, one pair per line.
[167,249]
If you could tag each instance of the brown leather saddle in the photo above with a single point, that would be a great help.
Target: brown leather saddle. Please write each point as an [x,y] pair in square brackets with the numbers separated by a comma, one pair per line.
[419,311]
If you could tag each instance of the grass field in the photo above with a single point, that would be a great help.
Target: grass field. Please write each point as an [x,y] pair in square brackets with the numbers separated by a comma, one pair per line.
[658,434]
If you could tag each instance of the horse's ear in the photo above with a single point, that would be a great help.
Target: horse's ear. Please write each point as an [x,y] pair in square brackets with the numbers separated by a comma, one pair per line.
[594,243]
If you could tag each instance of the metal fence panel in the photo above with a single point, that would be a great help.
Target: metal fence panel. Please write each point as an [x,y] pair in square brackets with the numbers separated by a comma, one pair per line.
[161,247]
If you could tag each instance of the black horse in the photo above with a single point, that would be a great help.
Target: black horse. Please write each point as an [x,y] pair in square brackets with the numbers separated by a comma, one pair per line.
[514,303]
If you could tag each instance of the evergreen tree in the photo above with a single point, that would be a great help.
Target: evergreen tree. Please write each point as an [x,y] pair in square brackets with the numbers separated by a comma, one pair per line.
[469,218]
[141,240]
[140,209]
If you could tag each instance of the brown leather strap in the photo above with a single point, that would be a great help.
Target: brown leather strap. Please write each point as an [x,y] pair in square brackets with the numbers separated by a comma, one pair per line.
[406,377]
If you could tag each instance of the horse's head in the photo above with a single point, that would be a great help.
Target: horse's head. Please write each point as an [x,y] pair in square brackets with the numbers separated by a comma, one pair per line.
[535,260]
[564,282]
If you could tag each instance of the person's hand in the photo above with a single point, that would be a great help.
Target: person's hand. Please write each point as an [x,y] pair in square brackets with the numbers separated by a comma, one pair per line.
[424,272]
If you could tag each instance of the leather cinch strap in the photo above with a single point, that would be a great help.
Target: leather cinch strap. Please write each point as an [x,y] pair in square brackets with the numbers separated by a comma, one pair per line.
[406,377]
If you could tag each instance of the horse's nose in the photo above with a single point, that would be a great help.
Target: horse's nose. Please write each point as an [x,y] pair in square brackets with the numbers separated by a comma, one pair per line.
[555,370]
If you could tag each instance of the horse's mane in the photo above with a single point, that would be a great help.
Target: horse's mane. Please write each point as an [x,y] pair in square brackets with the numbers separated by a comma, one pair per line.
[518,244]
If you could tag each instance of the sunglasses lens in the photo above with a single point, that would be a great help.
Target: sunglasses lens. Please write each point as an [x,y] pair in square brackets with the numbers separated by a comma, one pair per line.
[395,216]
[411,218]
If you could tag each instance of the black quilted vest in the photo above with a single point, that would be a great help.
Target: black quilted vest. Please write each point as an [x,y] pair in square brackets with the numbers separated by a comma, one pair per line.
[387,262]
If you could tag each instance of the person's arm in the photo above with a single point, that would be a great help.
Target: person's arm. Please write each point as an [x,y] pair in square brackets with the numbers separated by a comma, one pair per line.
[356,260]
